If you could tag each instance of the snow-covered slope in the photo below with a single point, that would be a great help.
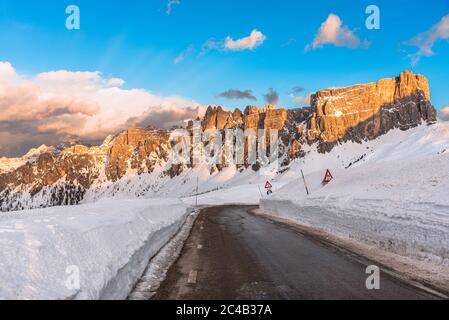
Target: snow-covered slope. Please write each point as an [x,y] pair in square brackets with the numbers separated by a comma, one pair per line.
[105,247]
[392,166]
[413,164]
[10,164]
[391,192]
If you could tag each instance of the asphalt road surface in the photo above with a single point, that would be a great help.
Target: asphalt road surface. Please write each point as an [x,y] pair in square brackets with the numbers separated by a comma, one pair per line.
[232,254]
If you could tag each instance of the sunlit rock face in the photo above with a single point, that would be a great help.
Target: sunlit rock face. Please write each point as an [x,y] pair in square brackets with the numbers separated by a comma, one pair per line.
[49,176]
[218,118]
[367,111]
[136,149]
[275,119]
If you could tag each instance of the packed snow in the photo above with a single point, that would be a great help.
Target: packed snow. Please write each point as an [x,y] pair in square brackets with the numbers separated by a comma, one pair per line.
[91,251]
[158,267]
[391,192]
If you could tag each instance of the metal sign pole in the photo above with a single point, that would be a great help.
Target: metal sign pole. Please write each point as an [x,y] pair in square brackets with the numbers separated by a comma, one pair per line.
[305,183]
[196,199]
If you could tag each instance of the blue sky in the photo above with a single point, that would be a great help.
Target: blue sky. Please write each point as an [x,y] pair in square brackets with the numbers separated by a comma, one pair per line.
[61,84]
[138,41]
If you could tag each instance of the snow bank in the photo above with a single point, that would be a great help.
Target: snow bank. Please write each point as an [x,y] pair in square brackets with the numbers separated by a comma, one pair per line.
[108,243]
[391,192]
[404,233]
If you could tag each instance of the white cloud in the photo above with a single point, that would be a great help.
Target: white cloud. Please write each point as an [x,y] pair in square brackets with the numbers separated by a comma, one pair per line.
[115,82]
[170,5]
[61,76]
[57,104]
[272,96]
[426,40]
[443,114]
[333,31]
[168,116]
[209,45]
[7,72]
[183,55]
[254,40]
[300,100]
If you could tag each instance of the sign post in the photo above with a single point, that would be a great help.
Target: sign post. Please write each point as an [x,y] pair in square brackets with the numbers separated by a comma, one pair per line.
[196,196]
[305,183]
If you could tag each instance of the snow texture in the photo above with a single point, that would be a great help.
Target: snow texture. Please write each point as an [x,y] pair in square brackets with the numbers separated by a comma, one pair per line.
[157,270]
[109,243]
[391,192]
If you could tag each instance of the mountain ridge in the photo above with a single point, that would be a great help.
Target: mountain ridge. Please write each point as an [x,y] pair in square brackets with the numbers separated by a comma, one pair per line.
[336,116]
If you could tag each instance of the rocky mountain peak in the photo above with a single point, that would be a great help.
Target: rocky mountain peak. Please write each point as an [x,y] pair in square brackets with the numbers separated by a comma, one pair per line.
[366,111]
[58,176]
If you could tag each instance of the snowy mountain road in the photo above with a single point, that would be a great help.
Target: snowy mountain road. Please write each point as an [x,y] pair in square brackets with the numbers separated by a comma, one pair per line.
[233,254]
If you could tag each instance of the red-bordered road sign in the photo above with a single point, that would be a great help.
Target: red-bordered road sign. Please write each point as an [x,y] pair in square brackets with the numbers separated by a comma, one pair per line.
[328,177]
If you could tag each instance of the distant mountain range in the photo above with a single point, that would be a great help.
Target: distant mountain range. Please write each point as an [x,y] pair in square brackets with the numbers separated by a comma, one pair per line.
[138,161]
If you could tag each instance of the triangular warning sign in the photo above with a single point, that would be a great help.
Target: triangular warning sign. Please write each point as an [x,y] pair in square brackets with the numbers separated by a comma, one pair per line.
[328,177]
[268,185]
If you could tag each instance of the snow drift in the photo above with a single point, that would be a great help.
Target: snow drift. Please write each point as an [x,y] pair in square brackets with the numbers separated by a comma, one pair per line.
[108,243]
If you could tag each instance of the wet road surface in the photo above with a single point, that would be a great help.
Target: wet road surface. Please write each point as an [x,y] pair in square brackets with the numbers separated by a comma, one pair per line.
[233,254]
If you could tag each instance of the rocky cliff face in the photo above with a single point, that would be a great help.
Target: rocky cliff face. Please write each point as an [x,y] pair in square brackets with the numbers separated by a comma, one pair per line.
[62,177]
[218,118]
[368,111]
[53,176]
[11,164]
[139,150]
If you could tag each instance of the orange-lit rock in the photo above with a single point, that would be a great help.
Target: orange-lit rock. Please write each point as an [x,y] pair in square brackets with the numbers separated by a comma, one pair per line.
[367,111]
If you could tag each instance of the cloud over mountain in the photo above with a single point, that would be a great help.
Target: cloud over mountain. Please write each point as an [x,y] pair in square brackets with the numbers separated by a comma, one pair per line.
[334,31]
[272,97]
[426,40]
[237,94]
[55,105]
[297,89]
[254,40]
[301,100]
[165,117]
[443,114]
